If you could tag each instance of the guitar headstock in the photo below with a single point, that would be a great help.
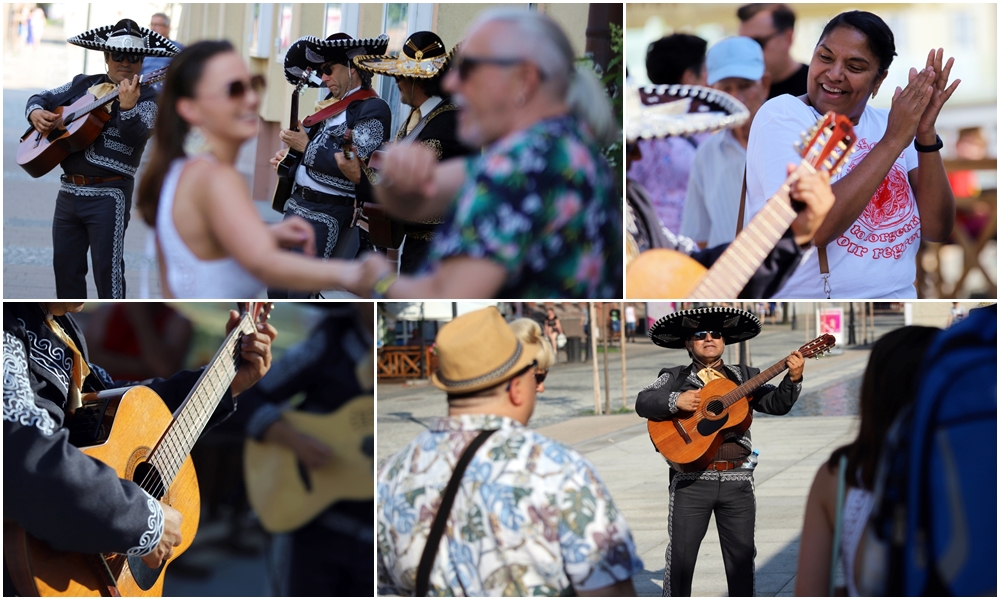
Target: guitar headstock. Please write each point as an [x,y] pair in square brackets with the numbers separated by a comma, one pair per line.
[828,143]
[154,76]
[258,312]
[303,80]
[818,346]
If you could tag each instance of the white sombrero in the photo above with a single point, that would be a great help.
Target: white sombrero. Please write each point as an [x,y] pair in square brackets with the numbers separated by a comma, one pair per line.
[667,110]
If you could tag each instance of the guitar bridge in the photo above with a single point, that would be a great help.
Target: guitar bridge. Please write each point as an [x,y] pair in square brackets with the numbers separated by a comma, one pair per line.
[680,431]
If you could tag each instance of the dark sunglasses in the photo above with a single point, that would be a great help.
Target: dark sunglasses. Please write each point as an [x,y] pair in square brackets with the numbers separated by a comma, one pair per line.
[700,335]
[237,89]
[533,364]
[540,376]
[467,64]
[123,56]
[767,38]
[327,68]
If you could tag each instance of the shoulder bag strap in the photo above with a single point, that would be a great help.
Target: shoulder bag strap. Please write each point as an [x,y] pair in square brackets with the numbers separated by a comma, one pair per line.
[441,518]
[824,270]
[835,553]
[743,203]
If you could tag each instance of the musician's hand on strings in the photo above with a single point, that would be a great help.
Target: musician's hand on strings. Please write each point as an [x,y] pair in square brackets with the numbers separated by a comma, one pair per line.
[310,451]
[926,133]
[795,363]
[812,189]
[128,93]
[689,400]
[295,232]
[350,167]
[171,537]
[278,157]
[296,140]
[255,350]
[43,120]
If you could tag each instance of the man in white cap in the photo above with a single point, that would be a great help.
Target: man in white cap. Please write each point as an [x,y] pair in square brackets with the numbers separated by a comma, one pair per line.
[514,513]
[736,66]
[92,208]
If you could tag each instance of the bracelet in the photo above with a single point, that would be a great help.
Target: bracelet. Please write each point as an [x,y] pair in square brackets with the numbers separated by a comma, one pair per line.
[932,148]
[382,285]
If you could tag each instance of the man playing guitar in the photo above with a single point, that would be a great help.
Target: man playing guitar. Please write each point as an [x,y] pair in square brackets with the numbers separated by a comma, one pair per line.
[55,492]
[92,208]
[725,487]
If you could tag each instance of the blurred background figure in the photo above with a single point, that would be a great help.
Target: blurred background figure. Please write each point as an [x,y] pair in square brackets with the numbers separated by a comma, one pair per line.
[138,340]
[528,331]
[772,26]
[160,23]
[665,164]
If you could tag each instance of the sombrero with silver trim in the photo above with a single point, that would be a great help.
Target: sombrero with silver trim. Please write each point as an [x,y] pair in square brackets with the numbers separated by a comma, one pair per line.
[676,328]
[658,111]
[125,36]
[424,56]
[311,51]
[477,351]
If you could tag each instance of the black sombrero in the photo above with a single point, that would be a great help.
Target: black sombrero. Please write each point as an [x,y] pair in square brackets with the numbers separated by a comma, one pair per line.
[424,56]
[125,36]
[310,51]
[658,111]
[674,329]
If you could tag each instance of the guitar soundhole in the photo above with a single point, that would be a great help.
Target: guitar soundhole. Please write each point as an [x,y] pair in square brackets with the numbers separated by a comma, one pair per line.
[714,408]
[149,479]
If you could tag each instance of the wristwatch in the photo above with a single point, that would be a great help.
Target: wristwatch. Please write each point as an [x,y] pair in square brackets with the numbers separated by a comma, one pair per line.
[932,148]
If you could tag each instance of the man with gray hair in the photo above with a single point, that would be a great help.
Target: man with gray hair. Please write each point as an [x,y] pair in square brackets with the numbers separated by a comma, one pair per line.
[160,23]
[537,214]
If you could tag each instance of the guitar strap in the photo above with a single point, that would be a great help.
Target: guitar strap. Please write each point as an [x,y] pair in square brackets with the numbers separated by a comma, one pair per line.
[338,107]
[441,518]
[824,270]
[743,203]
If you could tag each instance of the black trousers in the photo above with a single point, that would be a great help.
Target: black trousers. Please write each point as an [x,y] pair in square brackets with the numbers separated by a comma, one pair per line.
[334,236]
[693,499]
[93,217]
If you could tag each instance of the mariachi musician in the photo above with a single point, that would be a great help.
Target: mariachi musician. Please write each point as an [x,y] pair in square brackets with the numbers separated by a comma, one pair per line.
[432,121]
[353,119]
[95,199]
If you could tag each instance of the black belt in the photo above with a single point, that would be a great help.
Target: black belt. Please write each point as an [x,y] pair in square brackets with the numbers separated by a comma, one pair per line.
[311,195]
[84,180]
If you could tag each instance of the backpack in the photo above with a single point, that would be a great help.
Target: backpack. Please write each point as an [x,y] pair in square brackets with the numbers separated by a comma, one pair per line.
[932,530]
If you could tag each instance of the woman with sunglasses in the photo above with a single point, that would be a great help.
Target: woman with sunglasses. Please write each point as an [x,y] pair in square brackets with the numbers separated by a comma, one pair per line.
[530,332]
[212,242]
[94,201]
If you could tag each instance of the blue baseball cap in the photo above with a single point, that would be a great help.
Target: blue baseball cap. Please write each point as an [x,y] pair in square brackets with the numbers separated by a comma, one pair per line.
[735,57]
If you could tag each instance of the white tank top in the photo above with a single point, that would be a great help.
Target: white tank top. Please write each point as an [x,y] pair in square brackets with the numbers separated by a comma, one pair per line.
[857,508]
[187,275]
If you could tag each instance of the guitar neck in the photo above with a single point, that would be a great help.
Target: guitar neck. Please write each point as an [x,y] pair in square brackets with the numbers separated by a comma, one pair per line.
[294,116]
[731,272]
[193,415]
[153,77]
[751,385]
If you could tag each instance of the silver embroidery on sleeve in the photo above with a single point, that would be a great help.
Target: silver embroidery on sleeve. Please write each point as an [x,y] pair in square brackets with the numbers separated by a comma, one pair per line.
[145,110]
[367,136]
[151,537]
[49,357]
[661,381]
[18,399]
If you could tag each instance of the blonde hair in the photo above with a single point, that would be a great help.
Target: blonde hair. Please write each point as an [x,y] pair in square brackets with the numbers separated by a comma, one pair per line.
[530,332]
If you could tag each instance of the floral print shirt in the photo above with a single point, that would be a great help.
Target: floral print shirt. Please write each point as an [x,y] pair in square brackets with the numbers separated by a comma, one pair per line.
[542,203]
[531,517]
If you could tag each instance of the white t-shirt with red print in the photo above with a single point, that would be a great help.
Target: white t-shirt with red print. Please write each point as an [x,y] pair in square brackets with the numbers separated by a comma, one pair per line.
[876,256]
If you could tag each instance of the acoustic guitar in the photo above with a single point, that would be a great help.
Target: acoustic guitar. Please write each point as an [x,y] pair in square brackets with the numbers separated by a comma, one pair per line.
[285,494]
[662,273]
[286,168]
[81,124]
[136,435]
[690,439]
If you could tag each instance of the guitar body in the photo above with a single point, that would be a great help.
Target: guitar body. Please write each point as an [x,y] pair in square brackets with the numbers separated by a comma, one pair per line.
[39,154]
[691,438]
[662,273]
[285,495]
[139,422]
[286,180]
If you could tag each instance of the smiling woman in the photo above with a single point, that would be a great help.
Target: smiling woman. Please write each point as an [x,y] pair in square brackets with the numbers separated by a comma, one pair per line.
[893,191]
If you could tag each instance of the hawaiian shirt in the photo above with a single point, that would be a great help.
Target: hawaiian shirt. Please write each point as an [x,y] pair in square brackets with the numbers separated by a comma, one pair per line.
[663,171]
[542,203]
[532,517]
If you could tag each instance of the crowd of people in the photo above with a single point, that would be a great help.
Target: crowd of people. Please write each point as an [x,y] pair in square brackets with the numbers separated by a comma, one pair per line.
[685,186]
[510,98]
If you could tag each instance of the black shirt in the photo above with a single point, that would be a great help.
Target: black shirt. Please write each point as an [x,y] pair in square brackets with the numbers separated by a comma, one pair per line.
[794,85]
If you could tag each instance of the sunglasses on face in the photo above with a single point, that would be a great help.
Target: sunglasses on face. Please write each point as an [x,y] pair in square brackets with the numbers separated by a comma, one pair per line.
[327,68]
[540,376]
[701,335]
[465,65]
[237,89]
[510,381]
[765,39]
[123,56]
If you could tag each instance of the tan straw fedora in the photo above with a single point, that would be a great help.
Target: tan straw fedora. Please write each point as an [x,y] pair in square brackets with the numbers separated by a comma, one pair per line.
[477,351]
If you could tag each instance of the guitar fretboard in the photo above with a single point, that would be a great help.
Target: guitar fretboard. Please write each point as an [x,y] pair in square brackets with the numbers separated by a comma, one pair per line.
[731,271]
[143,80]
